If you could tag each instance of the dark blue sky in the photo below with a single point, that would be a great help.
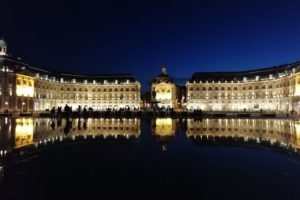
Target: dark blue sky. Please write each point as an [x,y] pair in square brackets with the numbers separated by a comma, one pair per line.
[138,36]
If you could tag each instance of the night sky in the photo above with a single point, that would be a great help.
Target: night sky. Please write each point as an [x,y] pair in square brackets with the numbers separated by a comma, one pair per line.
[137,37]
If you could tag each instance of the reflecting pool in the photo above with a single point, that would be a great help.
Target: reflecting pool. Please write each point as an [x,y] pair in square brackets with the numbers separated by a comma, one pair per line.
[159,158]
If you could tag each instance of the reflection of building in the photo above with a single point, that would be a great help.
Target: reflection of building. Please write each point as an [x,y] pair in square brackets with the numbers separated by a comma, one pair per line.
[6,135]
[274,89]
[20,132]
[23,132]
[164,130]
[106,127]
[284,132]
[163,90]
[26,88]
[164,127]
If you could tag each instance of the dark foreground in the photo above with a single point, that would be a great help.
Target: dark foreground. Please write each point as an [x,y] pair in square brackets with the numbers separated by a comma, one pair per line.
[150,167]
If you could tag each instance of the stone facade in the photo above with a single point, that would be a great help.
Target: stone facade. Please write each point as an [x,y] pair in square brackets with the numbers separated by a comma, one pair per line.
[163,90]
[24,88]
[272,89]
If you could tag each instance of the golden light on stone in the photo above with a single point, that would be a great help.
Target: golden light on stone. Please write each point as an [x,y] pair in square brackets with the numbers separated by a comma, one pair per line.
[25,86]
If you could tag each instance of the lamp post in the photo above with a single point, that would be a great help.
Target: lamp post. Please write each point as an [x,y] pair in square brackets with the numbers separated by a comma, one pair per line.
[6,106]
[23,103]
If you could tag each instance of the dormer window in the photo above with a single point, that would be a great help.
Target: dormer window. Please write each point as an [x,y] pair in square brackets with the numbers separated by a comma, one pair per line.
[85,81]
[73,80]
[270,76]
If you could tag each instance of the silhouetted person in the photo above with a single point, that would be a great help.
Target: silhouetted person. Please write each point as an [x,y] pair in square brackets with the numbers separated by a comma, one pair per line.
[53,112]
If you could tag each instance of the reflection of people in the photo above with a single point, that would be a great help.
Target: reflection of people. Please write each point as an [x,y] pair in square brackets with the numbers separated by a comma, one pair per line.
[52,125]
[59,122]
[79,124]
[1,173]
[84,125]
[68,126]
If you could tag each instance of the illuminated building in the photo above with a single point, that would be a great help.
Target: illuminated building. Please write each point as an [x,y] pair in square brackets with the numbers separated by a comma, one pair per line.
[163,90]
[26,89]
[274,89]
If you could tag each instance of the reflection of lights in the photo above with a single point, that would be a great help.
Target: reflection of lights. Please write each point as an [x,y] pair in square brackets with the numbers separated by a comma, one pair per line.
[297,128]
[164,147]
[23,132]
[1,171]
[164,127]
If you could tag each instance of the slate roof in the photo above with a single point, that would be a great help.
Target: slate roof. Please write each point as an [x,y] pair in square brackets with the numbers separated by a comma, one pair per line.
[19,65]
[250,74]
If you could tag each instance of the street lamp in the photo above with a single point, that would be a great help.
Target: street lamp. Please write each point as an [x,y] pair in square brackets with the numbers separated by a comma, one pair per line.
[6,105]
[23,103]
